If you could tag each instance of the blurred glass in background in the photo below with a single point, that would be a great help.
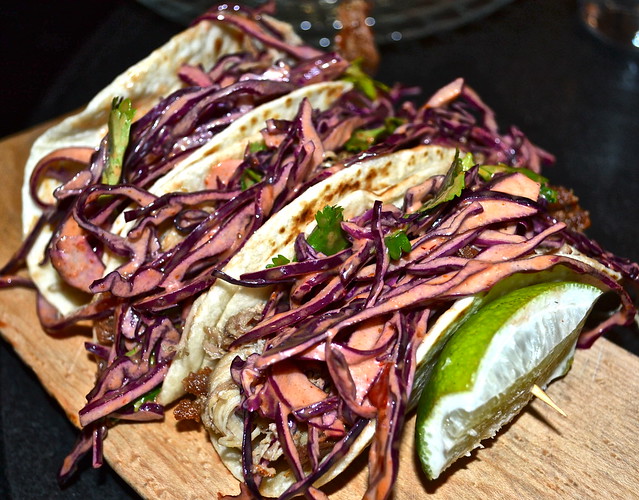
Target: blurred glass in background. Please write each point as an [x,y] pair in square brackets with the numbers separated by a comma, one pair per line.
[614,21]
[315,20]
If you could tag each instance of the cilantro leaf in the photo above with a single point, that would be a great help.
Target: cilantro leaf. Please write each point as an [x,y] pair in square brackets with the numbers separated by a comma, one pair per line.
[250,177]
[397,244]
[454,182]
[487,172]
[362,139]
[548,193]
[362,81]
[133,351]
[278,260]
[120,120]
[328,236]
[256,146]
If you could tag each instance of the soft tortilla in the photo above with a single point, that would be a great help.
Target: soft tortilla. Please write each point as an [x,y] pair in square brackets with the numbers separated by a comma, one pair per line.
[354,189]
[145,84]
[224,301]
[231,143]
[385,178]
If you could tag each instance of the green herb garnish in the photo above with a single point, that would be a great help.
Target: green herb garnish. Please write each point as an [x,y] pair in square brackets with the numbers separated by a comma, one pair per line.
[487,172]
[257,146]
[454,182]
[250,177]
[397,244]
[362,139]
[133,351]
[120,120]
[146,398]
[548,193]
[278,260]
[362,81]
[328,236]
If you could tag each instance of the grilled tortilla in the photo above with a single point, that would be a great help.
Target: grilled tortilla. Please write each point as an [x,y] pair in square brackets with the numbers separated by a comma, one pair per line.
[355,189]
[145,83]
[220,316]
[231,144]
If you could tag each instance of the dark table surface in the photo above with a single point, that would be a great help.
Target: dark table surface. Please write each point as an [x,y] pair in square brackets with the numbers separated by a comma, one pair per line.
[531,61]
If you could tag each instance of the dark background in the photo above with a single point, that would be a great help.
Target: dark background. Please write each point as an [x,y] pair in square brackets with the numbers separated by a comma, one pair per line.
[531,61]
[57,55]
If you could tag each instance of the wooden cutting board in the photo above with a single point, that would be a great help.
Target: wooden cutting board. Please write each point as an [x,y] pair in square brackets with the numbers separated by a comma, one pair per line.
[593,453]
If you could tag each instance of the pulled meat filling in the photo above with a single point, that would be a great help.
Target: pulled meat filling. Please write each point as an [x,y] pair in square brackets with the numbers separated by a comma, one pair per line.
[104,330]
[217,341]
[196,385]
[567,209]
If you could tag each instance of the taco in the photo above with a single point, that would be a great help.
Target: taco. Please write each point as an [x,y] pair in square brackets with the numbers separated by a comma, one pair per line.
[359,182]
[212,113]
[318,362]
[311,347]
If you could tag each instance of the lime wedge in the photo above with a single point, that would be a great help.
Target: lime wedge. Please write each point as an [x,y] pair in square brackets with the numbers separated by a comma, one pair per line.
[484,374]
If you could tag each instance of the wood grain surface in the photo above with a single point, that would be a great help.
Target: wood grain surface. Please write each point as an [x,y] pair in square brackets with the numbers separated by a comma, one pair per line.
[593,453]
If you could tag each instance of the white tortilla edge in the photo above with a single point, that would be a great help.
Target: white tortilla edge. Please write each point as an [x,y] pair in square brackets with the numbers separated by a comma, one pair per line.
[144,83]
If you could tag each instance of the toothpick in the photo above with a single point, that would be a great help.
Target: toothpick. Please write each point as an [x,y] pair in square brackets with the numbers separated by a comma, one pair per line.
[539,393]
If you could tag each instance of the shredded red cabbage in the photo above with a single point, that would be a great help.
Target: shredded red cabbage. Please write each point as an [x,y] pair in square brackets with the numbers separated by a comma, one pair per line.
[353,334]
[143,304]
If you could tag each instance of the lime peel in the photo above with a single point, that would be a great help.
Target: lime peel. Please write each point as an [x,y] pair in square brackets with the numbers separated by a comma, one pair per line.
[483,376]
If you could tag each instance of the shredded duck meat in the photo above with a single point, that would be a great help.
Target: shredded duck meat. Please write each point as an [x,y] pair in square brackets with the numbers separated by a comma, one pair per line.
[566,209]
